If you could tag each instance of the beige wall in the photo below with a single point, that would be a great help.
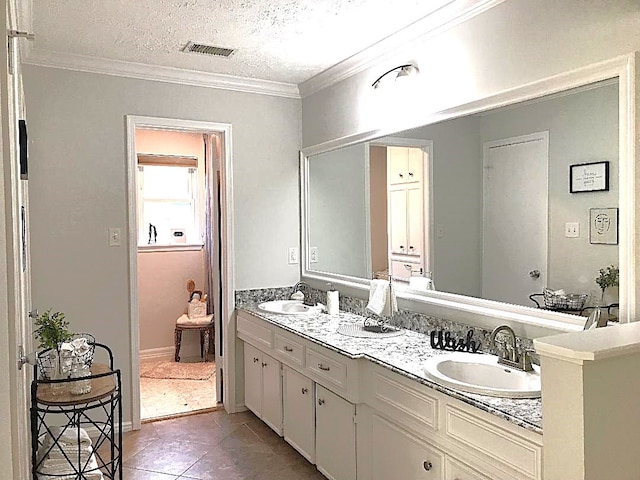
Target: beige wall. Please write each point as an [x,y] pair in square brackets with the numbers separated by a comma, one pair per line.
[378,183]
[162,276]
[162,297]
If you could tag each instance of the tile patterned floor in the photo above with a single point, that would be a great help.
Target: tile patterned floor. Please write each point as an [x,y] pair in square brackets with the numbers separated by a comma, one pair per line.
[163,398]
[212,446]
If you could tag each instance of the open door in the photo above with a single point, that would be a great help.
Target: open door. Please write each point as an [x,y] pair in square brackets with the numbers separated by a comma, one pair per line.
[15,255]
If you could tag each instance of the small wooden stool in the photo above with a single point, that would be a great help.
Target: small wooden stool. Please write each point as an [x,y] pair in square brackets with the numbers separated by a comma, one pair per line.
[203,324]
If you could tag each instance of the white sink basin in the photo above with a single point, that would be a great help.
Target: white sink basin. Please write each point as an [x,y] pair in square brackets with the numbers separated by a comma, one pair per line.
[288,307]
[482,374]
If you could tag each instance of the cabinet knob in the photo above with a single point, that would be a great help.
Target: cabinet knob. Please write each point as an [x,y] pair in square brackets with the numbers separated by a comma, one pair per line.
[411,174]
[427,465]
[410,247]
[264,364]
[304,391]
[401,175]
[401,247]
[320,401]
[322,367]
[255,360]
[287,348]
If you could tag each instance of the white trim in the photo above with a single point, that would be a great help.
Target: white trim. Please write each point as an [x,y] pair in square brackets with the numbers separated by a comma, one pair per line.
[226,238]
[485,311]
[444,18]
[162,353]
[169,248]
[157,73]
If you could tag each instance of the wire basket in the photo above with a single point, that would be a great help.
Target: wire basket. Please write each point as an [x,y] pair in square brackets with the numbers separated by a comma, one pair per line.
[569,301]
[55,363]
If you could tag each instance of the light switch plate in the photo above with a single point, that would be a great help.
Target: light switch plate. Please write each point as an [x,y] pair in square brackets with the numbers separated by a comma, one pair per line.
[115,237]
[572,229]
[293,255]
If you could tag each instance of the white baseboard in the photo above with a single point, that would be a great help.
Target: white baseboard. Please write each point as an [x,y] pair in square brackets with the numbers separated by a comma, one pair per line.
[155,354]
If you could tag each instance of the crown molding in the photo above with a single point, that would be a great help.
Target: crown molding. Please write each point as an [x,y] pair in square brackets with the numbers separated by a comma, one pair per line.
[118,68]
[444,18]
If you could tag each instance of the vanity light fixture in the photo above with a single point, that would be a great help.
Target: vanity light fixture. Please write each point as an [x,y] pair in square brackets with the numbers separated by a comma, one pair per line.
[406,70]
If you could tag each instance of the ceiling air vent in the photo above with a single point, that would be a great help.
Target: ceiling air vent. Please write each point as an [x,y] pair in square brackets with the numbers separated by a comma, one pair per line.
[191,47]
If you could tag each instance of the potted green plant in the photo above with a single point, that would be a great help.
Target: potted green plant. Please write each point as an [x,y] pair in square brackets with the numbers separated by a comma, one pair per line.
[52,329]
[608,277]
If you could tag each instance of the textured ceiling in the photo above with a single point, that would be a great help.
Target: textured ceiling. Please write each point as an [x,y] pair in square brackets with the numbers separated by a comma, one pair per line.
[281,40]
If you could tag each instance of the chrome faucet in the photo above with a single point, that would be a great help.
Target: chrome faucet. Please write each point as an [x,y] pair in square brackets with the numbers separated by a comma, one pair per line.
[305,289]
[510,355]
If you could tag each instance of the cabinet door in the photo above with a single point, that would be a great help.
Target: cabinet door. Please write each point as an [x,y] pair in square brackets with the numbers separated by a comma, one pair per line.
[415,164]
[397,165]
[398,454]
[299,415]
[253,379]
[415,227]
[271,393]
[398,220]
[335,436]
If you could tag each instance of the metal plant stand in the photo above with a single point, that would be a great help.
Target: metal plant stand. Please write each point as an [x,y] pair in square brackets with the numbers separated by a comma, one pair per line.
[77,436]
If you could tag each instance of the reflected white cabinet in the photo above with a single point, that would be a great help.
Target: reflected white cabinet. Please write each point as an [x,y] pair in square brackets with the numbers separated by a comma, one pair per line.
[263,386]
[335,436]
[404,164]
[299,413]
[398,454]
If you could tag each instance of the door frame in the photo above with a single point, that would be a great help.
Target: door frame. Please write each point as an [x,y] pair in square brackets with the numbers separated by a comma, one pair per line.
[226,318]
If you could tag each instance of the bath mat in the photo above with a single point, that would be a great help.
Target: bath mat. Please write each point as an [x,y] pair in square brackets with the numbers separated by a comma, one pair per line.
[177,370]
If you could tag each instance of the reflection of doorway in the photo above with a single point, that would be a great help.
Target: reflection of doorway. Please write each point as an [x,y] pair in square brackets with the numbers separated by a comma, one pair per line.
[400,173]
[514,235]
[217,246]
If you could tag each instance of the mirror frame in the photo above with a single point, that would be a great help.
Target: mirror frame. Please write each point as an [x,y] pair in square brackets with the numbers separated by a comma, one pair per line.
[471,308]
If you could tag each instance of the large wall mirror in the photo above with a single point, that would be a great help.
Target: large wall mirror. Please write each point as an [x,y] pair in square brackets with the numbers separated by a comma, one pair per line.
[482,204]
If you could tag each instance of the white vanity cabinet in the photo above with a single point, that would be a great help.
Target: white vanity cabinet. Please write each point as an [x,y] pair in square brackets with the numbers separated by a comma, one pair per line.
[357,420]
[335,435]
[263,386]
[299,413]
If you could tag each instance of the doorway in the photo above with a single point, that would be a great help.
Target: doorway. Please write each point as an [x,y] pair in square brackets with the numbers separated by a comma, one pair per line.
[178,245]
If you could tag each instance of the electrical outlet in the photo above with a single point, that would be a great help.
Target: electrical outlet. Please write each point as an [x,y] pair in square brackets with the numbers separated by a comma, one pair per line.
[313,255]
[572,229]
[293,255]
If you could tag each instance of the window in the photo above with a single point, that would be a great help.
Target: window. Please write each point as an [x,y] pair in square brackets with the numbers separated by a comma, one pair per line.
[168,200]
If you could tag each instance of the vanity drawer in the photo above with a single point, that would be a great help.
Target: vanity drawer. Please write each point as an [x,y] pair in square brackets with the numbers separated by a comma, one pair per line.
[333,371]
[496,444]
[254,331]
[403,402]
[455,470]
[289,351]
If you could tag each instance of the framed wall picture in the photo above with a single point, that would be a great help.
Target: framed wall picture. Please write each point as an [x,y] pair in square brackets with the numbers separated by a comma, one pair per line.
[589,177]
[603,226]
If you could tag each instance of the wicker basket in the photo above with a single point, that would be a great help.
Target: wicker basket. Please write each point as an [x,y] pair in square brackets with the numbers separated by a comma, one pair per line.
[54,364]
[569,301]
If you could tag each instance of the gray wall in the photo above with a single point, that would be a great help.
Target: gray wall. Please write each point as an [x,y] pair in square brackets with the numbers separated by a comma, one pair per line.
[337,213]
[78,190]
[582,128]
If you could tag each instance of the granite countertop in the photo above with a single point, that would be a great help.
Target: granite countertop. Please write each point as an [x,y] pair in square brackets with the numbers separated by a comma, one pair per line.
[403,354]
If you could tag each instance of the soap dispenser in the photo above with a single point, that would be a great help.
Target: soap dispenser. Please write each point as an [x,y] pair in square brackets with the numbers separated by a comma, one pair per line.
[333,300]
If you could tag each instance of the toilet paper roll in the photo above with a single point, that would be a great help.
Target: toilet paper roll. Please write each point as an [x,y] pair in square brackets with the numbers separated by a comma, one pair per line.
[333,302]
